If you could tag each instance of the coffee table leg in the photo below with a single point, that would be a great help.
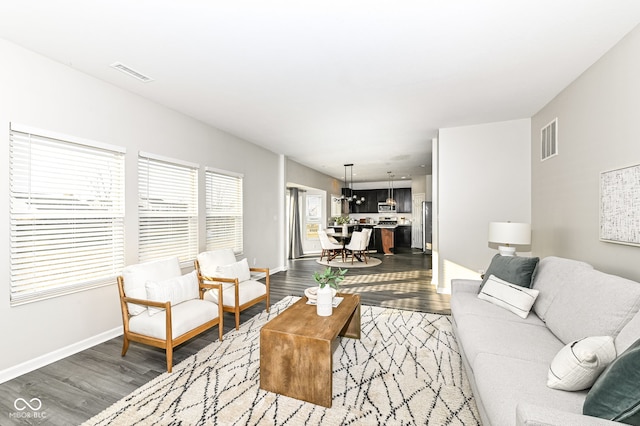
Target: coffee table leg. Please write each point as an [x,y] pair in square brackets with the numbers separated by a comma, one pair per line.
[352,327]
[296,366]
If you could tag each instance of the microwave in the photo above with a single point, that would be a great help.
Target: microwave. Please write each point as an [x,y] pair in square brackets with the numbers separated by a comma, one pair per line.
[386,208]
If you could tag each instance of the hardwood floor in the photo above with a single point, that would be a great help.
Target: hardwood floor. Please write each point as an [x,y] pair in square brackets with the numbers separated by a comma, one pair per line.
[80,386]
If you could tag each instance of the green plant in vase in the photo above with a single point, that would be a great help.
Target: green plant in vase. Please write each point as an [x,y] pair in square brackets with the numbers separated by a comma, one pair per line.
[328,281]
[329,277]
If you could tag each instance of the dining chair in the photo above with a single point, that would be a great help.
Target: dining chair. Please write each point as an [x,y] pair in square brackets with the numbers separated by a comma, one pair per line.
[357,246]
[330,249]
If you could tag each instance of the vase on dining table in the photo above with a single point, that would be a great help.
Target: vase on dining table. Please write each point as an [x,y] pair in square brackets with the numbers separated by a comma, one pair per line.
[345,229]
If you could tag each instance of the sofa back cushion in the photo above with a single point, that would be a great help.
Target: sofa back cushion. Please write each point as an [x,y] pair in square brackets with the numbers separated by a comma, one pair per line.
[551,274]
[591,303]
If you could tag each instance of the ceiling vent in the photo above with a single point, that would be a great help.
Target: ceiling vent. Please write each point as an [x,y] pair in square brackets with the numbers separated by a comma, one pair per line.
[549,140]
[131,72]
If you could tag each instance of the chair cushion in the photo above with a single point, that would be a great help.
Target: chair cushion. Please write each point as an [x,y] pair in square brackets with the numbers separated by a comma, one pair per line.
[185,317]
[248,291]
[210,260]
[136,277]
[175,290]
[239,270]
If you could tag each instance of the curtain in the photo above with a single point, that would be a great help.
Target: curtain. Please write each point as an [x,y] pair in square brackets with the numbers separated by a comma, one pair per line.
[295,233]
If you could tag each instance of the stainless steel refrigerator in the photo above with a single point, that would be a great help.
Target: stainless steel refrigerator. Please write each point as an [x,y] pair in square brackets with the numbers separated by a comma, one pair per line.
[426,226]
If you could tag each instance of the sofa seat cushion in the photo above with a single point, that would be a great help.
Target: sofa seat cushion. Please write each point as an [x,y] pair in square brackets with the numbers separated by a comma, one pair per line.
[504,382]
[185,317]
[480,335]
[248,290]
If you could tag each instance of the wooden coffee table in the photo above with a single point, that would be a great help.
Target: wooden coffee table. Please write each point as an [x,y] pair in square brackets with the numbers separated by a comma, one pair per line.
[296,349]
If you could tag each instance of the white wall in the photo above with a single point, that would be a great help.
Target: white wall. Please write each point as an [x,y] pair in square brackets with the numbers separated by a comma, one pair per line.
[48,95]
[598,130]
[483,176]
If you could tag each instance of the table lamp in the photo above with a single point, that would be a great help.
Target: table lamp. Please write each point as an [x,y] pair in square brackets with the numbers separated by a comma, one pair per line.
[507,233]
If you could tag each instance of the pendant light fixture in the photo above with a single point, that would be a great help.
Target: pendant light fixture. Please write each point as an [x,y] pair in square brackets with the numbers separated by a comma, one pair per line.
[390,199]
[347,192]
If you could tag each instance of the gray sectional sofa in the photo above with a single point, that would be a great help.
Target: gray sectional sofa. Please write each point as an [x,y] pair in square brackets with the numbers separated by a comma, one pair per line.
[507,358]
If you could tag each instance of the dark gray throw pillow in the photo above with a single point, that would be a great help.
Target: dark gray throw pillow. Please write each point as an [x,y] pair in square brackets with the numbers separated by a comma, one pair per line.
[616,393]
[513,269]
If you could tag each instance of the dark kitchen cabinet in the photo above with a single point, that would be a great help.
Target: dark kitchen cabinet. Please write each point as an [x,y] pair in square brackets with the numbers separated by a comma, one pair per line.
[403,237]
[374,196]
[403,200]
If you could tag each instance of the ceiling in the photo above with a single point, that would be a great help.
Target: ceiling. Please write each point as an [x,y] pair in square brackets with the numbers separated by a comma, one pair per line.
[331,82]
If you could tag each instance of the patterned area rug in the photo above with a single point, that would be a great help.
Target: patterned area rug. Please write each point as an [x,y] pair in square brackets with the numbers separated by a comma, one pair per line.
[404,370]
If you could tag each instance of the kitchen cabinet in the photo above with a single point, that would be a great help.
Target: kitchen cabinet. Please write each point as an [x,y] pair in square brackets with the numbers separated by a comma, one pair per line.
[403,237]
[374,196]
[403,200]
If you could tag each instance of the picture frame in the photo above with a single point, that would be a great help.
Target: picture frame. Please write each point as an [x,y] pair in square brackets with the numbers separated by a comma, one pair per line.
[620,206]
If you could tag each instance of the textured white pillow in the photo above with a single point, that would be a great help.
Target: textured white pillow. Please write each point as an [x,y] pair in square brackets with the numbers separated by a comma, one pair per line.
[239,270]
[174,290]
[578,364]
[515,298]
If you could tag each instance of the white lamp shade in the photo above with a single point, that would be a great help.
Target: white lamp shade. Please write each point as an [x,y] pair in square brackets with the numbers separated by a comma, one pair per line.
[510,233]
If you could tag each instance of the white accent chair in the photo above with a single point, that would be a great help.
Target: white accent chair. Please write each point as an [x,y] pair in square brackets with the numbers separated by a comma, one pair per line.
[163,308]
[330,249]
[358,246]
[239,290]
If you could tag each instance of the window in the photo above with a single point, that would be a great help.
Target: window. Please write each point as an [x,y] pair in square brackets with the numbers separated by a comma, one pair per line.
[224,210]
[167,208]
[67,214]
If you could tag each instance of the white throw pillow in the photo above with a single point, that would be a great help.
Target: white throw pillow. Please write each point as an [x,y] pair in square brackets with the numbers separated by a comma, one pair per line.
[136,277]
[239,270]
[175,290]
[515,298]
[578,364]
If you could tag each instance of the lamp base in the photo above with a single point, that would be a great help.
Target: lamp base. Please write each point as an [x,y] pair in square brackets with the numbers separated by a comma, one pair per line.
[506,251]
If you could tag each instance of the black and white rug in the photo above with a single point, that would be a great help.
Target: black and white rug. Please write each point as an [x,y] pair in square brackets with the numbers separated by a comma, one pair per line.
[404,370]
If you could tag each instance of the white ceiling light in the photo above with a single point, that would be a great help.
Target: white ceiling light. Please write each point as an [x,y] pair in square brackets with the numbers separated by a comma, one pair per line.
[131,72]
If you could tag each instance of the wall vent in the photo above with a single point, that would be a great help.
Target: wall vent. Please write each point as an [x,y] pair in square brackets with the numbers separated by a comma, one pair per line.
[131,72]
[549,140]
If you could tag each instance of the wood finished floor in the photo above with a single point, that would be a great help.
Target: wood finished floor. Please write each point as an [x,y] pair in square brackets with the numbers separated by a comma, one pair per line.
[80,386]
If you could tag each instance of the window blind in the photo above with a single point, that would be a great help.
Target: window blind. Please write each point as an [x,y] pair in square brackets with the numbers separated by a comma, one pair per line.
[224,210]
[167,209]
[66,214]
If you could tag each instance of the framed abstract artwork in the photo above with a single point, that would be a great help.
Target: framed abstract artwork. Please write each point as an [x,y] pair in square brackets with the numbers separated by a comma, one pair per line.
[620,205]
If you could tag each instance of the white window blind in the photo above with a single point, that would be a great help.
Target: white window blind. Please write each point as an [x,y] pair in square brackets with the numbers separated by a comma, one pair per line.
[224,210]
[167,209]
[67,214]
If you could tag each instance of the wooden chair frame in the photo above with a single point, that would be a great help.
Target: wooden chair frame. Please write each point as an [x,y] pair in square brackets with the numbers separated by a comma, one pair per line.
[238,308]
[169,342]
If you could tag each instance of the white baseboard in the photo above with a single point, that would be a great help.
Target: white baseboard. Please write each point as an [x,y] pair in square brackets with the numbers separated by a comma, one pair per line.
[41,361]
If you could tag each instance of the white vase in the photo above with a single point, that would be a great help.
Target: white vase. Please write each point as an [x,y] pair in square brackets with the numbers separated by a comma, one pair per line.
[324,301]
[345,229]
